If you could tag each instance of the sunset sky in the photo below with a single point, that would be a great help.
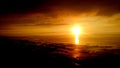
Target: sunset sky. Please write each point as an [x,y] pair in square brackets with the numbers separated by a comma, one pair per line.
[57,17]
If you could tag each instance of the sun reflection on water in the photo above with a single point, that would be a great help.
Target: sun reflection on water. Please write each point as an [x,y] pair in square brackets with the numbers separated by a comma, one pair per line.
[76,52]
[76,39]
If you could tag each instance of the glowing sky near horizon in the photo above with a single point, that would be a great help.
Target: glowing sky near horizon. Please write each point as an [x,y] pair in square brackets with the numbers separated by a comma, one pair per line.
[56,17]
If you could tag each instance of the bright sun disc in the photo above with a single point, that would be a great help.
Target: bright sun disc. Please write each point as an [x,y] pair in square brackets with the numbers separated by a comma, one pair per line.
[76,30]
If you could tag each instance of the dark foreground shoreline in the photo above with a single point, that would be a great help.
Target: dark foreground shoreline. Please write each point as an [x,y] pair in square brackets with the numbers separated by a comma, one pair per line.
[24,53]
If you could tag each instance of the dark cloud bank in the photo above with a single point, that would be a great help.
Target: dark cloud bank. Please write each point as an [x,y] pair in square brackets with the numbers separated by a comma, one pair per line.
[105,7]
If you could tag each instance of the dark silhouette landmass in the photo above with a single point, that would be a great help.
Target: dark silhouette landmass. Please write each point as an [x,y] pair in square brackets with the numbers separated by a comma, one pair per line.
[24,53]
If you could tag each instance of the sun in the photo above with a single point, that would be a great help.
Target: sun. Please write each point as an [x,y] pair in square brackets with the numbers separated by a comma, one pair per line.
[77,32]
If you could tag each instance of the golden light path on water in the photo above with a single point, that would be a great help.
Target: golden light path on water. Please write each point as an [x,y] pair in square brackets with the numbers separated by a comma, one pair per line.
[76,49]
[76,39]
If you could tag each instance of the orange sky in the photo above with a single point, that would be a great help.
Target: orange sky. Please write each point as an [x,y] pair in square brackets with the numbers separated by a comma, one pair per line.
[90,23]
[58,17]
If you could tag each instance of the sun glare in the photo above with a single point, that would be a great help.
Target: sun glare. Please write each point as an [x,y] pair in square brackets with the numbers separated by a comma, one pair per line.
[76,31]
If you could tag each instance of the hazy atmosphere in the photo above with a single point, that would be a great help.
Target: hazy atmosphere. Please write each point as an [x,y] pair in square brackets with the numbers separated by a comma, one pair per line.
[57,17]
[60,33]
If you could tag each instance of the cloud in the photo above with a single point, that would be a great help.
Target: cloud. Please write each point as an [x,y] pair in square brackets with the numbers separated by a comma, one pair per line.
[105,7]
[58,12]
